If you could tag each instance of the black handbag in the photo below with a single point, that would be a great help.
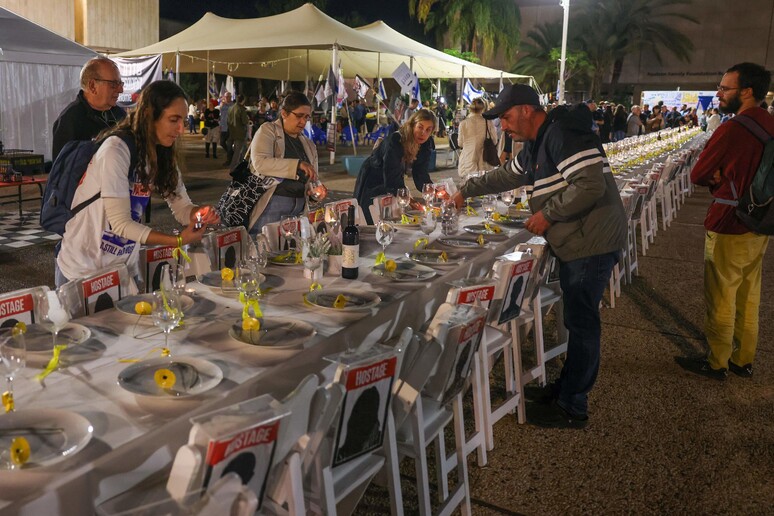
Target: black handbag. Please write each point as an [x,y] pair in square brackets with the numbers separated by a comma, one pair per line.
[490,149]
[241,196]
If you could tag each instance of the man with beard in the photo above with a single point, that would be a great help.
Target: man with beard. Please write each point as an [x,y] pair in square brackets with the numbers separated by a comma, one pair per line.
[576,206]
[733,255]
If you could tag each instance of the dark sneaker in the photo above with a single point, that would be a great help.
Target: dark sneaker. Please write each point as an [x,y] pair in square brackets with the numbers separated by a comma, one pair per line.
[554,416]
[543,395]
[745,371]
[701,367]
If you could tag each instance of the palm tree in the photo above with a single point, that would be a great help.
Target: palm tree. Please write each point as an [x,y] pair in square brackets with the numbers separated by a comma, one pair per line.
[609,30]
[479,26]
[535,54]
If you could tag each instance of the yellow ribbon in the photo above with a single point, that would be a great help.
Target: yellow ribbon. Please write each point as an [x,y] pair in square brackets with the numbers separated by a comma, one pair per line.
[8,401]
[247,303]
[421,242]
[179,251]
[53,363]
[299,258]
[480,240]
[319,215]
[380,258]
[471,212]
[404,219]
[314,286]
[282,258]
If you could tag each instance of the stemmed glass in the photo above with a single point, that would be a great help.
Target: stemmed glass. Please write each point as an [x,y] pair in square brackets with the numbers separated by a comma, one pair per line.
[13,356]
[248,281]
[52,313]
[404,198]
[507,197]
[313,259]
[489,203]
[258,252]
[440,193]
[166,311]
[316,191]
[428,192]
[428,222]
[385,232]
[289,228]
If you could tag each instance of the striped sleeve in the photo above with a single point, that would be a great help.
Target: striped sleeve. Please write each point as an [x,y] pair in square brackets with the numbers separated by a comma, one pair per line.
[578,161]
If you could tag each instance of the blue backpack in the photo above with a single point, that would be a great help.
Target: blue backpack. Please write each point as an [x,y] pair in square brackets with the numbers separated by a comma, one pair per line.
[65,176]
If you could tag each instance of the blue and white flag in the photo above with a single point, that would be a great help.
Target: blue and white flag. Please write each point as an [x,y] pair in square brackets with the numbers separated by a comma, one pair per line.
[230,86]
[170,75]
[469,92]
[382,93]
[415,91]
[212,87]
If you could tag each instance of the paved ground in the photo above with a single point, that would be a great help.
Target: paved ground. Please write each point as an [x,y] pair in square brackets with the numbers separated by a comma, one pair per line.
[659,442]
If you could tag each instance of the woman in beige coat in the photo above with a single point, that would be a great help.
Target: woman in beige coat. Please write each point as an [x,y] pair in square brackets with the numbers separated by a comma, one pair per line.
[286,160]
[471,139]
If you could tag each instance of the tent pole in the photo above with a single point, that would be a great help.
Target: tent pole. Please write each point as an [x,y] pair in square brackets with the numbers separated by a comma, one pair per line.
[460,100]
[332,144]
[378,82]
[438,87]
[177,67]
[208,79]
[306,76]
[501,81]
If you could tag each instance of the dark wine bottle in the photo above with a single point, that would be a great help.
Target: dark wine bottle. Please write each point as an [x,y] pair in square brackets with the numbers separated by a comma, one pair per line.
[350,247]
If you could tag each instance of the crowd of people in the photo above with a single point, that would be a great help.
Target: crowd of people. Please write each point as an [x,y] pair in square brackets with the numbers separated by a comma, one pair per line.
[555,152]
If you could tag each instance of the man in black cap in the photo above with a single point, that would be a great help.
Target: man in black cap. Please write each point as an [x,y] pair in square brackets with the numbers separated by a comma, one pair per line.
[576,206]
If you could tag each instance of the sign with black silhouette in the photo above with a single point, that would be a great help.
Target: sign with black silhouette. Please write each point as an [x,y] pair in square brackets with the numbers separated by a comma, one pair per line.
[102,292]
[229,249]
[467,339]
[341,207]
[248,453]
[17,309]
[553,270]
[386,210]
[364,409]
[155,258]
[514,292]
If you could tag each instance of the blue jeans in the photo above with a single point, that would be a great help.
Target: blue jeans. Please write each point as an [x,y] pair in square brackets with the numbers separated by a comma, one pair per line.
[583,282]
[277,207]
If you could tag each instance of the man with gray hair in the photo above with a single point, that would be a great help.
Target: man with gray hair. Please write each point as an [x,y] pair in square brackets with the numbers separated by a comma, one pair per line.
[94,109]
[634,122]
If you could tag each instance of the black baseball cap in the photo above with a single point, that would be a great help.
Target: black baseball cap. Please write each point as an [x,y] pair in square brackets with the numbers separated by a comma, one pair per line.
[512,95]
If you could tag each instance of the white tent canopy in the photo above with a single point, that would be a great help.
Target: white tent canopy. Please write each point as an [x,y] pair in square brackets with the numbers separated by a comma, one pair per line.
[296,45]
[39,76]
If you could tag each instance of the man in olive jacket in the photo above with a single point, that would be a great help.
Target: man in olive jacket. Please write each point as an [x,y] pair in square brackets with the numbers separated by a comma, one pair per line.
[576,206]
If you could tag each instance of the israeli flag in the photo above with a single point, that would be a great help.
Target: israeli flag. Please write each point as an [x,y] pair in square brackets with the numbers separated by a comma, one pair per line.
[382,94]
[212,86]
[415,91]
[469,92]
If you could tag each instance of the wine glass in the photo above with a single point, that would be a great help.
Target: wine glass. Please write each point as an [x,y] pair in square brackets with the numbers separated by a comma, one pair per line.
[316,191]
[52,313]
[428,221]
[428,192]
[248,280]
[507,197]
[258,252]
[404,198]
[13,356]
[289,228]
[440,192]
[166,311]
[489,203]
[312,259]
[385,232]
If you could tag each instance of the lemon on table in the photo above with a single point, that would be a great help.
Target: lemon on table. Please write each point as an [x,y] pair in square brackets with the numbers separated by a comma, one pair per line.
[251,324]
[496,228]
[390,265]
[443,257]
[20,451]
[496,217]
[164,378]
[480,240]
[227,274]
[19,329]
[143,308]
[341,301]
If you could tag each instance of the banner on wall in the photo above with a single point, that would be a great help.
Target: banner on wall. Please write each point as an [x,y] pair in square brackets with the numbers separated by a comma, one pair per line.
[678,98]
[136,72]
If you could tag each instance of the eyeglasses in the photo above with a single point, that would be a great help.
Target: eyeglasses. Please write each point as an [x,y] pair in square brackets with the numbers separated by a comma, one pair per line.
[301,116]
[724,89]
[113,84]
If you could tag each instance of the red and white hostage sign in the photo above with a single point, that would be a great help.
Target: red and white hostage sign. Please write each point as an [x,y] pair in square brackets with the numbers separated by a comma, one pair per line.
[101,292]
[20,309]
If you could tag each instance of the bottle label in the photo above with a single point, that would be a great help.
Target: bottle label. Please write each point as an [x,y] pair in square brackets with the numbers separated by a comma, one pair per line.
[350,255]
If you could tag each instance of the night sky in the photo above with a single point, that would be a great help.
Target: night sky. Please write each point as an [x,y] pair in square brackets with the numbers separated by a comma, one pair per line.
[365,11]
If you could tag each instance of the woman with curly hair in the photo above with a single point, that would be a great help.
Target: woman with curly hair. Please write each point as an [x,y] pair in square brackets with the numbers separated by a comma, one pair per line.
[405,151]
[135,158]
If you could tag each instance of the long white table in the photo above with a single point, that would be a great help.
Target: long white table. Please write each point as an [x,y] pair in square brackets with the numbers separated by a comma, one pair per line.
[136,437]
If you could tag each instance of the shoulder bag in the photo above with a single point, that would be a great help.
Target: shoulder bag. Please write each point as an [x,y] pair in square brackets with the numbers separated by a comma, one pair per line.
[241,196]
[490,149]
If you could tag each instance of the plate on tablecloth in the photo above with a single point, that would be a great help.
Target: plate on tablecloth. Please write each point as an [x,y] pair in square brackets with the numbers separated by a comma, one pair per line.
[53,435]
[39,340]
[405,271]
[435,257]
[193,376]
[354,299]
[276,333]
[459,242]
[213,280]
[481,229]
[126,305]
[284,259]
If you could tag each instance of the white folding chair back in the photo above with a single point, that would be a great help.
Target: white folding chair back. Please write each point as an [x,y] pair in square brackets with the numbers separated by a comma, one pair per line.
[98,291]
[19,306]
[383,207]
